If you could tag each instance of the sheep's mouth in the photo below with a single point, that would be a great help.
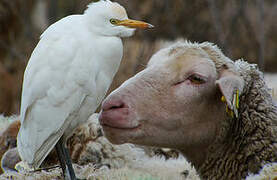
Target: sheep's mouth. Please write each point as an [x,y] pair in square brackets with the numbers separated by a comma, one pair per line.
[109,127]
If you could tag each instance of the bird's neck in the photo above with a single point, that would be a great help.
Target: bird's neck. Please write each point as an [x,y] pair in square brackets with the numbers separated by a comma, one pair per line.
[109,51]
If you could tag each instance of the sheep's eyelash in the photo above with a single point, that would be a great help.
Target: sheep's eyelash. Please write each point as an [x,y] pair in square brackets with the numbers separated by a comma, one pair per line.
[201,77]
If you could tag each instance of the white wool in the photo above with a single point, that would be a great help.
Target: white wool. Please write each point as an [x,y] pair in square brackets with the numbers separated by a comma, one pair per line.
[169,169]
[268,172]
[151,168]
[144,169]
[116,155]
[240,65]
[5,121]
[56,173]
[271,80]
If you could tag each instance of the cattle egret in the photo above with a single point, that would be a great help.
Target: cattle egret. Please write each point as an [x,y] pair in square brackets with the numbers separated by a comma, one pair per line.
[67,76]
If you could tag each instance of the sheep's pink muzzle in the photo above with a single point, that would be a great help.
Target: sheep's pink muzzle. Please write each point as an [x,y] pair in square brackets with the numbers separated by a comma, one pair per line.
[115,114]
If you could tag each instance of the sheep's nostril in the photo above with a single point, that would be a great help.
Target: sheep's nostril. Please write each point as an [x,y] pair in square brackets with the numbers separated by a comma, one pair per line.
[115,107]
[108,105]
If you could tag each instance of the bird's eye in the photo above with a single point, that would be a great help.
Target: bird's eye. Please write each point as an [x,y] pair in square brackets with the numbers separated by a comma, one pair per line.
[113,21]
[196,79]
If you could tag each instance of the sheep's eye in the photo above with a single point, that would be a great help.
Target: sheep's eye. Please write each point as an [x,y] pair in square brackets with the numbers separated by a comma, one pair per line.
[114,21]
[196,79]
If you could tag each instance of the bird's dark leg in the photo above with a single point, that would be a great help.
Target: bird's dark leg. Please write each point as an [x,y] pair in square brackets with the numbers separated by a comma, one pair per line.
[61,157]
[65,160]
[69,163]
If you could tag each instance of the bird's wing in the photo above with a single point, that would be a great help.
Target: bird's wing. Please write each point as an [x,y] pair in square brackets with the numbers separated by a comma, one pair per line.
[52,94]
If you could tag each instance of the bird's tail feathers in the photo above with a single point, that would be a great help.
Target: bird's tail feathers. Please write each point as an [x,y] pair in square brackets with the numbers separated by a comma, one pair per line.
[34,160]
[45,149]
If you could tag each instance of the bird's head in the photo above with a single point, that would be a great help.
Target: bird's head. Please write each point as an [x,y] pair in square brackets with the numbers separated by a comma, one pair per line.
[111,19]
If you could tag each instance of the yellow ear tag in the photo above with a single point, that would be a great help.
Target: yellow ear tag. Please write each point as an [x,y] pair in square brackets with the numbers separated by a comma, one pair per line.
[237,99]
[223,99]
[229,112]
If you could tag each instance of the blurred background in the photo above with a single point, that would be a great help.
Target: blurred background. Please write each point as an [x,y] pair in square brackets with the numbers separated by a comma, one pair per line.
[242,28]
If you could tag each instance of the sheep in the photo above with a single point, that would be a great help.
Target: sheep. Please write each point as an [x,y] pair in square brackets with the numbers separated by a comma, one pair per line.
[9,127]
[193,98]
[95,157]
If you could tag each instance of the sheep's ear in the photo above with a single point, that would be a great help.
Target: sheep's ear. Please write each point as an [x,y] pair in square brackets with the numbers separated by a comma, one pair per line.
[231,86]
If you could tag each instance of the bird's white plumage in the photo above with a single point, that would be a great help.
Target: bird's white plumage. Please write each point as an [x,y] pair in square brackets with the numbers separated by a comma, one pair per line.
[67,76]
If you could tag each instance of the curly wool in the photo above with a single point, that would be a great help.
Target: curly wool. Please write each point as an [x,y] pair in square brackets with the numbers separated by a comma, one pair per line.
[147,169]
[247,143]
[269,171]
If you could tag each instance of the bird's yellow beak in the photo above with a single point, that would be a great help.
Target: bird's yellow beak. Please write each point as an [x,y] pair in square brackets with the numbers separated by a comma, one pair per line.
[134,24]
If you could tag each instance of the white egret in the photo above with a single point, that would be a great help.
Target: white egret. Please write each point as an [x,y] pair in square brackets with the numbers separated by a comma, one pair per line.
[67,76]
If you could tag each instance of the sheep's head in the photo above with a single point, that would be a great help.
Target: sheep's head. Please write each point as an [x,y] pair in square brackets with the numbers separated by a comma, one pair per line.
[175,102]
